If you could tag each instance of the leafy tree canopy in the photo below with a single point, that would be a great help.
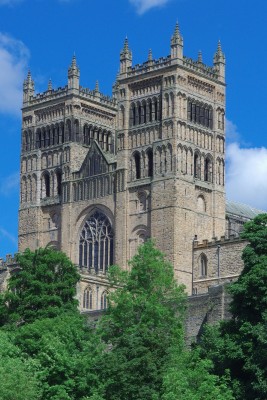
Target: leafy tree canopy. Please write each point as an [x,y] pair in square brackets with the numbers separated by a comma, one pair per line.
[44,286]
[240,344]
[143,320]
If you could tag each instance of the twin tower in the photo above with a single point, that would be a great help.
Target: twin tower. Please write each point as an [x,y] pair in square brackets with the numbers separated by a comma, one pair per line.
[100,174]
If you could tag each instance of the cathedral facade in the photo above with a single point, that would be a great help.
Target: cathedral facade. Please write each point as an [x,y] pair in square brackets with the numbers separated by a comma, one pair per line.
[100,175]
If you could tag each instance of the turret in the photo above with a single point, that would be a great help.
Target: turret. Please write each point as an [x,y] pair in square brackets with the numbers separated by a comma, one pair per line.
[49,87]
[219,62]
[177,43]
[73,75]
[28,88]
[125,57]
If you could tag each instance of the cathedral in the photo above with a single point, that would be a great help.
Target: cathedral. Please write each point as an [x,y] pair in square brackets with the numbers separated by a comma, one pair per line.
[100,174]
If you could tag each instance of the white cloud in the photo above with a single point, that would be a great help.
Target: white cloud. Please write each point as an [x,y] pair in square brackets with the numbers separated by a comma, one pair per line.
[14,57]
[9,184]
[246,173]
[144,5]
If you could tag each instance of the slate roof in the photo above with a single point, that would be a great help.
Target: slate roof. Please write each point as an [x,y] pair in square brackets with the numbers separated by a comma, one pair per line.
[242,210]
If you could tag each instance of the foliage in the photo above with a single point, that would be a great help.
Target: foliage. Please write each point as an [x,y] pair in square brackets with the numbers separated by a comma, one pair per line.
[65,349]
[144,318]
[44,286]
[240,344]
[18,380]
[189,377]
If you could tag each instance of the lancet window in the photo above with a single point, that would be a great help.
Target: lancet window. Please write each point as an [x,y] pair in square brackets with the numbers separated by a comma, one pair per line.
[88,298]
[96,243]
[200,113]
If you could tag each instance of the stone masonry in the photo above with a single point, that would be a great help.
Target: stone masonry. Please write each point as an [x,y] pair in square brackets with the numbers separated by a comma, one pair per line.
[100,175]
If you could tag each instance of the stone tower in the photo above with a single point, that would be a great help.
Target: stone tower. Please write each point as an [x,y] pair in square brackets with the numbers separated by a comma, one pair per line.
[100,175]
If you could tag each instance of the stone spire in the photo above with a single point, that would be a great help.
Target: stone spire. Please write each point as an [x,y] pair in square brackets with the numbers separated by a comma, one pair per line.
[199,58]
[219,61]
[125,57]
[177,43]
[49,87]
[28,88]
[150,56]
[96,86]
[73,75]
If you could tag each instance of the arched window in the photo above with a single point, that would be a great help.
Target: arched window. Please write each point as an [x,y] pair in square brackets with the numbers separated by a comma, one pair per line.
[96,243]
[197,166]
[88,298]
[104,302]
[203,266]
[59,181]
[137,160]
[208,170]
[46,185]
[150,162]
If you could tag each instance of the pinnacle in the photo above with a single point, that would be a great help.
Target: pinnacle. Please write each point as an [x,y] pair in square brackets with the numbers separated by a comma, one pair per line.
[126,45]
[73,62]
[49,84]
[97,86]
[199,59]
[29,76]
[176,34]
[150,56]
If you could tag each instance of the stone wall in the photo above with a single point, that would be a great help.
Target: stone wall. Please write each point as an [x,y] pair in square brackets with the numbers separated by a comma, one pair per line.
[216,262]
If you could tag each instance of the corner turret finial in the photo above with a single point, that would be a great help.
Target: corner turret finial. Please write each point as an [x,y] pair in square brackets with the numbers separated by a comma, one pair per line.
[150,56]
[219,61]
[49,87]
[73,74]
[28,87]
[73,61]
[199,58]
[125,57]
[97,86]
[177,43]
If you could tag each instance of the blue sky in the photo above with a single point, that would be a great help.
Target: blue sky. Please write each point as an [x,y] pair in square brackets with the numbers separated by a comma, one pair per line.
[42,35]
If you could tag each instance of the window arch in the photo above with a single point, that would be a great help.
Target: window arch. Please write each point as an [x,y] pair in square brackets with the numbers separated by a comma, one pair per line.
[137,160]
[104,300]
[208,169]
[197,167]
[88,298]
[149,162]
[96,243]
[203,266]
[45,185]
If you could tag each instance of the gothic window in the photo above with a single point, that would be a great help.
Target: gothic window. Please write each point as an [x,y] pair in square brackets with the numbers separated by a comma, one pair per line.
[77,131]
[137,160]
[38,140]
[59,181]
[208,170]
[150,162]
[96,243]
[104,302]
[201,204]
[68,129]
[150,111]
[45,185]
[203,266]
[197,172]
[199,113]
[88,298]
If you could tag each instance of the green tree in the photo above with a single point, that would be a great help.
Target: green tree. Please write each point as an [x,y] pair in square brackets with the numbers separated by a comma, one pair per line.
[143,320]
[240,344]
[18,377]
[65,350]
[189,377]
[44,286]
